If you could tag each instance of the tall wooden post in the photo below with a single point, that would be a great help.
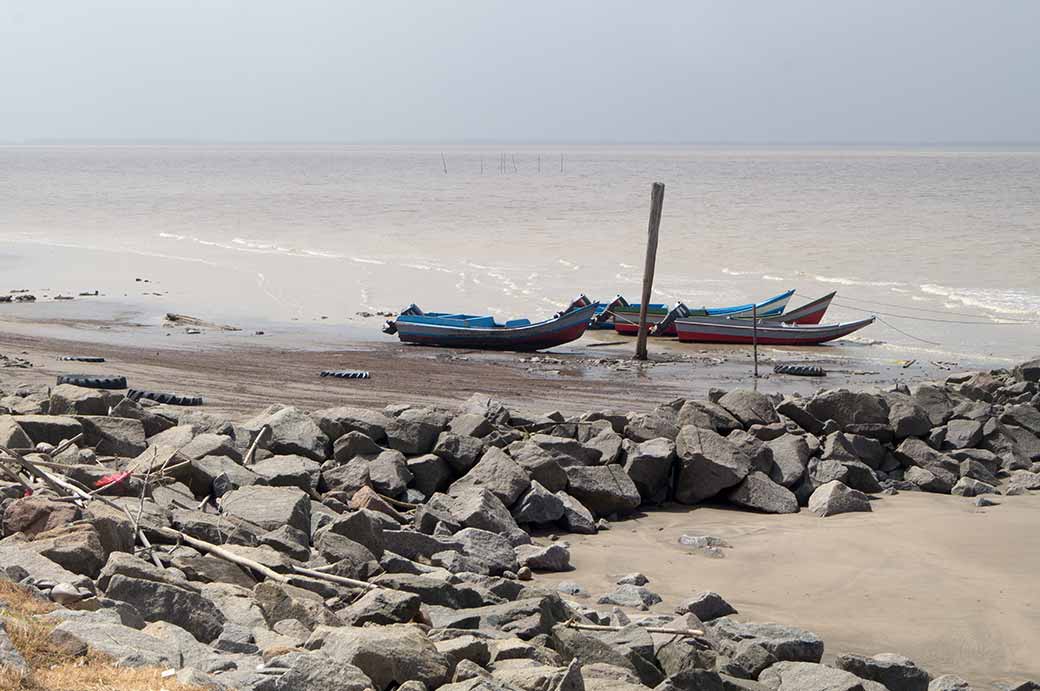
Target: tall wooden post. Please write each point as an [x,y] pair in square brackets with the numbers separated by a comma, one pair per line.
[656,202]
[754,336]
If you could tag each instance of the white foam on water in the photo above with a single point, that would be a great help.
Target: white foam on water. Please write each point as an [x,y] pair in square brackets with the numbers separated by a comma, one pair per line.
[731,272]
[568,264]
[767,277]
[994,300]
[856,282]
[364,260]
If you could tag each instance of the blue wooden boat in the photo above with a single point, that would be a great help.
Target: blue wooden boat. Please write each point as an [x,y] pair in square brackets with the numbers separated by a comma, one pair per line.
[483,332]
[626,315]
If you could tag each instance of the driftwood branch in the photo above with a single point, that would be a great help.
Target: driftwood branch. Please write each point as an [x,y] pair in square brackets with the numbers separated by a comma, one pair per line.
[264,431]
[649,629]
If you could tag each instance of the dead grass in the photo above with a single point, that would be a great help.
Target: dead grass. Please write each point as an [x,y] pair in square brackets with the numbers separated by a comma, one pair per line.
[55,670]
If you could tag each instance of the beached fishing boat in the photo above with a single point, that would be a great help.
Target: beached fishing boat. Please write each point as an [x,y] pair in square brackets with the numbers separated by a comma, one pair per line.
[626,316]
[483,332]
[809,313]
[715,330]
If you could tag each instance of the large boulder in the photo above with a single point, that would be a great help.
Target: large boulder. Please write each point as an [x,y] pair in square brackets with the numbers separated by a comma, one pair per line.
[836,497]
[113,436]
[895,672]
[415,430]
[335,422]
[576,518]
[707,415]
[963,434]
[807,676]
[381,606]
[758,492]
[314,672]
[389,655]
[35,514]
[270,507]
[292,432]
[538,506]
[935,401]
[52,429]
[12,436]
[929,479]
[848,407]
[905,417]
[1028,371]
[783,642]
[126,646]
[288,471]
[177,604]
[540,464]
[604,490]
[708,464]
[497,472]
[706,606]
[491,550]
[388,473]
[479,507]
[459,452]
[750,407]
[352,444]
[67,399]
[646,426]
[791,456]
[649,464]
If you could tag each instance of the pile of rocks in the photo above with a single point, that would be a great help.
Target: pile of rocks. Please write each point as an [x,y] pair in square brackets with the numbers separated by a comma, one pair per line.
[357,548]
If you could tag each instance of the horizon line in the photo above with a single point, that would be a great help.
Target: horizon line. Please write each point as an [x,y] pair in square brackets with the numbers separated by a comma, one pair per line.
[184,141]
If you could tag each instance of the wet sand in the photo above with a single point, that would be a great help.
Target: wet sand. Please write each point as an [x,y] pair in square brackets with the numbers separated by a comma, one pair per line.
[928,576]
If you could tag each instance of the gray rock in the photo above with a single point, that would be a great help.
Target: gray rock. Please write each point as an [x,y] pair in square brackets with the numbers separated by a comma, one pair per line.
[388,473]
[758,492]
[835,497]
[460,452]
[707,415]
[968,487]
[491,549]
[415,430]
[35,514]
[159,601]
[935,401]
[646,426]
[10,659]
[576,518]
[335,422]
[791,456]
[708,464]
[388,655]
[795,410]
[52,429]
[203,471]
[807,676]
[363,526]
[783,642]
[20,555]
[353,444]
[126,646]
[498,473]
[313,672]
[566,452]
[895,672]
[928,481]
[747,661]
[430,473]
[206,444]
[848,408]
[67,399]
[962,434]
[293,432]
[289,471]
[635,578]
[589,649]
[380,607]
[465,647]
[1024,416]
[236,639]
[949,682]
[12,436]
[603,490]
[470,425]
[114,436]
[553,557]
[539,464]
[749,407]
[905,417]
[479,507]
[270,507]
[706,606]
[538,506]
[631,596]
[649,464]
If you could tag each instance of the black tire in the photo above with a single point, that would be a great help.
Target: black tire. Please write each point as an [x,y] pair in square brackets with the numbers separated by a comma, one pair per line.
[81,358]
[346,374]
[93,381]
[800,370]
[167,398]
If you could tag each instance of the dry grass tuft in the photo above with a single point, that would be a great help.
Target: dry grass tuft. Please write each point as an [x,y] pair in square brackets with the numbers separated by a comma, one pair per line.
[54,670]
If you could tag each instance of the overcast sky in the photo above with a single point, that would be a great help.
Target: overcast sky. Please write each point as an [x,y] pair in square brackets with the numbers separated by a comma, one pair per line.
[790,71]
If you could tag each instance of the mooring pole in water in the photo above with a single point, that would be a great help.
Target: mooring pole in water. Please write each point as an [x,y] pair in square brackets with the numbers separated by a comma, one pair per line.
[754,336]
[656,202]
[444,161]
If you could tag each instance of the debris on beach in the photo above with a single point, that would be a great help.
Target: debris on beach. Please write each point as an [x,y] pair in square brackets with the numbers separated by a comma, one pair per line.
[399,548]
[16,362]
[172,319]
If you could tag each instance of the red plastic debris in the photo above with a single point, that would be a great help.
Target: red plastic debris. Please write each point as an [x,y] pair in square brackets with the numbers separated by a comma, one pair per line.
[113,479]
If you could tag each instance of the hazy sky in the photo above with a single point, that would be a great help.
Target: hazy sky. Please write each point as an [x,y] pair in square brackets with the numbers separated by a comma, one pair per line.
[522,70]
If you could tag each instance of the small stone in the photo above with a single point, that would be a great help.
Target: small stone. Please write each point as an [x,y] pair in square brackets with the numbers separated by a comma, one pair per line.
[524,573]
[633,579]
[65,594]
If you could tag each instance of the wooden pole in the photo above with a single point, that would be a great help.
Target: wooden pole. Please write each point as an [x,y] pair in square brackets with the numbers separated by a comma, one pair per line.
[754,336]
[444,162]
[656,202]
